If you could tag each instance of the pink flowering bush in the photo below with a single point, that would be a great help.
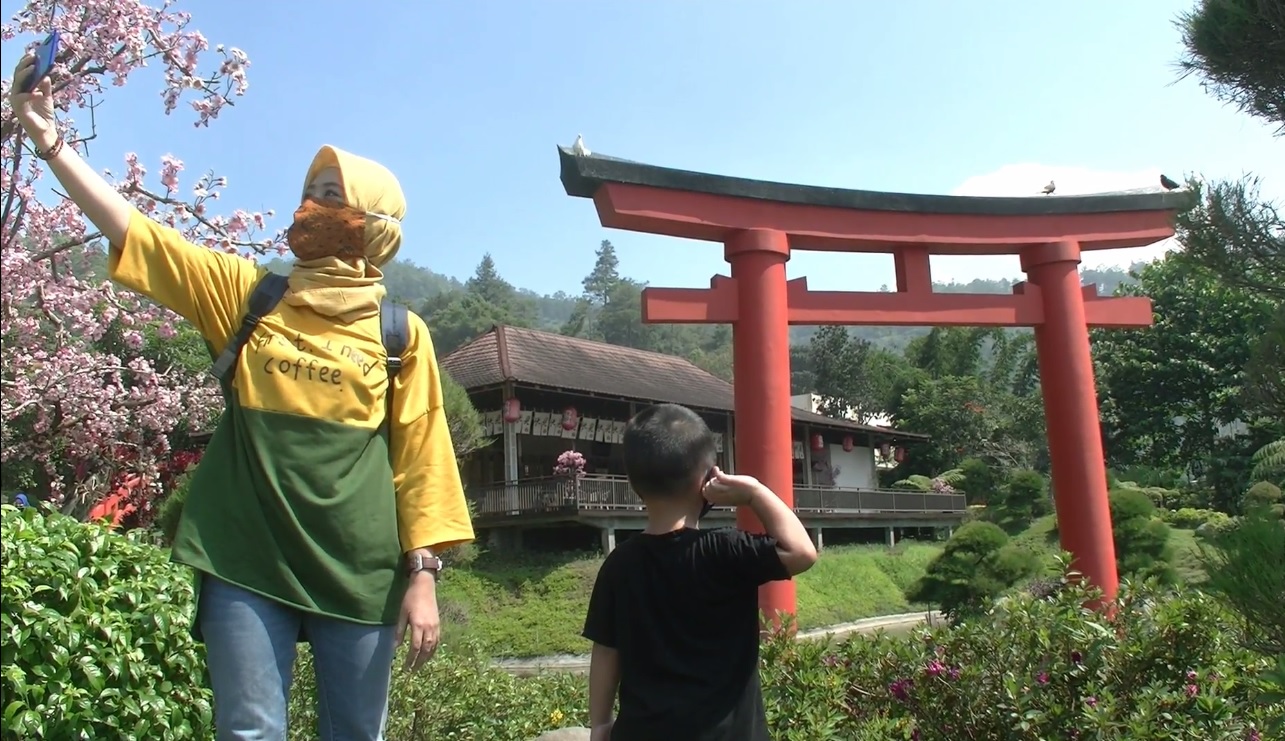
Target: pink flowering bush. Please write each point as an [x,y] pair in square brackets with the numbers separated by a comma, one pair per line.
[569,464]
[1035,667]
[87,394]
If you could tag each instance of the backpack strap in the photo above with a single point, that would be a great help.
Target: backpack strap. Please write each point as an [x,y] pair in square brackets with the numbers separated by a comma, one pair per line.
[394,330]
[264,298]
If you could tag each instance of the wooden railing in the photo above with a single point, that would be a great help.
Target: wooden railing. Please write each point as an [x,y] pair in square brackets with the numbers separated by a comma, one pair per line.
[599,493]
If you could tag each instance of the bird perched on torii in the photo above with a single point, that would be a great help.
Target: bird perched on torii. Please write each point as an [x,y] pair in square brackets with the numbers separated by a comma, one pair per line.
[1048,189]
[1168,184]
[579,148]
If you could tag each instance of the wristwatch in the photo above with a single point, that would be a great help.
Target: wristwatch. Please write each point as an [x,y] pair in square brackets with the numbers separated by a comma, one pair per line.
[419,562]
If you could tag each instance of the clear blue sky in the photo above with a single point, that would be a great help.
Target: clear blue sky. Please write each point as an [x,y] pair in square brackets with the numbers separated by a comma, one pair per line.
[467,101]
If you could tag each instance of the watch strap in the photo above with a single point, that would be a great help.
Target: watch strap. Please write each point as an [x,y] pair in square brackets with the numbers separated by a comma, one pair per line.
[419,562]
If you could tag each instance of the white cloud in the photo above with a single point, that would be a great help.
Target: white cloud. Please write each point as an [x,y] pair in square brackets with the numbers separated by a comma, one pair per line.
[1027,179]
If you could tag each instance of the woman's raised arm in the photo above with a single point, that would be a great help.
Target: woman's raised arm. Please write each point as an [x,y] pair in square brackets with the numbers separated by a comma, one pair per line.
[206,287]
[105,208]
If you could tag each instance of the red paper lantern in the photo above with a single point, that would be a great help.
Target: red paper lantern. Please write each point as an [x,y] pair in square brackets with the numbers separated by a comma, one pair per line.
[512,410]
[847,443]
[901,455]
[570,418]
[885,450]
[818,443]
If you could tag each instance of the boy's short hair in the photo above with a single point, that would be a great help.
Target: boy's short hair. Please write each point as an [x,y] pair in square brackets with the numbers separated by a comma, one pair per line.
[666,446]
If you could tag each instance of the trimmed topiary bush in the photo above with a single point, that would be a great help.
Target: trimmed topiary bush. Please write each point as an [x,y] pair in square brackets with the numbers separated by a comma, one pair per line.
[977,566]
[95,635]
[1261,496]
[1190,518]
[1141,538]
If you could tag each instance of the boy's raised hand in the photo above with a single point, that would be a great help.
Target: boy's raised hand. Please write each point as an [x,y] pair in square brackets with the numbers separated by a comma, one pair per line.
[730,490]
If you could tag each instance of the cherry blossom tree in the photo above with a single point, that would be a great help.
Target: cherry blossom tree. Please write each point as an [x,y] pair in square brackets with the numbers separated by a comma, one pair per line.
[87,403]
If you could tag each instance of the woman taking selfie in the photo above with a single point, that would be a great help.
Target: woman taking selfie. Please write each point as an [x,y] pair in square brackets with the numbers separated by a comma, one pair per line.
[321,503]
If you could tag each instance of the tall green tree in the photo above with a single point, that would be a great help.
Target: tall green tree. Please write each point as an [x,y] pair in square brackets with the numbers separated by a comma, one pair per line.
[455,317]
[967,418]
[1237,49]
[973,390]
[1169,392]
[619,318]
[487,285]
[840,375]
[605,274]
[1265,373]
[610,308]
[1235,234]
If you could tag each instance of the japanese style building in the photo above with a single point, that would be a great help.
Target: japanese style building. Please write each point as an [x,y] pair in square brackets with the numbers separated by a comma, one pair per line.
[542,394]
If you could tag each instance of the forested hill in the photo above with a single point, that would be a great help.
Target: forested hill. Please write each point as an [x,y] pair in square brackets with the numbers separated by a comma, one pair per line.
[608,309]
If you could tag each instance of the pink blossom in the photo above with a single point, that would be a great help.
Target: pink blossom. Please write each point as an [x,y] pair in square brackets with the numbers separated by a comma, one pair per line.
[79,406]
[570,464]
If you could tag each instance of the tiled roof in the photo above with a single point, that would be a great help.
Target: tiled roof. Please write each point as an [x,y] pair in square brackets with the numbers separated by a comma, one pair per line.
[533,357]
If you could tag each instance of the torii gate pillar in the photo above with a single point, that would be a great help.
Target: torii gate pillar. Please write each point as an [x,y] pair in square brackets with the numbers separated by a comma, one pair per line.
[761,355]
[1071,406]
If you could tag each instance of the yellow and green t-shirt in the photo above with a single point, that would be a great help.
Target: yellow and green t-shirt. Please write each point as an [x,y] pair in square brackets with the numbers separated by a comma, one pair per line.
[295,498]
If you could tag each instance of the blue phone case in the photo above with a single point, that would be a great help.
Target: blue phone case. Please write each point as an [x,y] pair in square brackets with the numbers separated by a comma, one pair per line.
[46,53]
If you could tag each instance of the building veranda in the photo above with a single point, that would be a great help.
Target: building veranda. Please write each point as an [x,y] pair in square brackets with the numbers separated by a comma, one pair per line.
[555,407]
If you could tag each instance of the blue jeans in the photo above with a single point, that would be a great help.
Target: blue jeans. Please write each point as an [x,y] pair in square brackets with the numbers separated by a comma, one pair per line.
[250,646]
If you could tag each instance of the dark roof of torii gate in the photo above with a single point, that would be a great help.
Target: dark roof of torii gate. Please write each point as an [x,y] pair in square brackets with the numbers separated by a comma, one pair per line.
[582,176]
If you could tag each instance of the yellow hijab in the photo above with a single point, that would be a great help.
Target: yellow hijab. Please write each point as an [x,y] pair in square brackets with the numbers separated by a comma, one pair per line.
[338,289]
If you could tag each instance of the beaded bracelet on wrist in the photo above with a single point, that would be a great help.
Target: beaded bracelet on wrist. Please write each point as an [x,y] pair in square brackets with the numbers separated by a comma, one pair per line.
[52,151]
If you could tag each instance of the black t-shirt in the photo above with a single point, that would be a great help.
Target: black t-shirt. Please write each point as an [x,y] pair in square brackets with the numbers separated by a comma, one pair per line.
[682,610]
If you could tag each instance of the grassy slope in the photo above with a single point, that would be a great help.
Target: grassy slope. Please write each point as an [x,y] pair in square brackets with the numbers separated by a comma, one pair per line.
[534,605]
[1039,537]
[529,604]
[1186,556]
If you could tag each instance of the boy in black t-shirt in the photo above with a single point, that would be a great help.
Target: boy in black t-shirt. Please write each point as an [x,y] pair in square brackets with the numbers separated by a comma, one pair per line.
[674,614]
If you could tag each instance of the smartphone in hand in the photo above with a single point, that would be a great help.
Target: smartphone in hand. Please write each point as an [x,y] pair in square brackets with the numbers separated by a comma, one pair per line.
[708,504]
[46,53]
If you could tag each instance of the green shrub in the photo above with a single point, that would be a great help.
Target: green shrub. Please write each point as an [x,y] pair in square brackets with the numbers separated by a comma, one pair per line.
[1141,538]
[977,565]
[1022,498]
[1146,476]
[458,696]
[1190,518]
[1216,526]
[1033,668]
[1244,568]
[96,640]
[981,481]
[96,646]
[1261,496]
[1161,497]
[170,510]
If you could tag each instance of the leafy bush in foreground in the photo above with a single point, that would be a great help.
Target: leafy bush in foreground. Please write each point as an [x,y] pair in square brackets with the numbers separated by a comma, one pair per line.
[1033,668]
[96,645]
[458,696]
[95,635]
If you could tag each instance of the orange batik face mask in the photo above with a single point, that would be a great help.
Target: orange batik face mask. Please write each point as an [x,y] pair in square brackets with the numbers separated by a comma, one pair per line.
[326,229]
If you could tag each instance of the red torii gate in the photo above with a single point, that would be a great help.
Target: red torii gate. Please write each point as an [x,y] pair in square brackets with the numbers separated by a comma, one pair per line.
[760,222]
